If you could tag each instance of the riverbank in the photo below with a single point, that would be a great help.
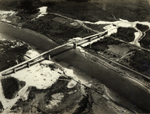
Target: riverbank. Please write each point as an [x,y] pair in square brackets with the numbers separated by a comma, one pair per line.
[47,87]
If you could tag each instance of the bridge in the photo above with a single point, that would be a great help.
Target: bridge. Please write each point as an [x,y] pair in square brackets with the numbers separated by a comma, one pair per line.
[52,52]
[62,48]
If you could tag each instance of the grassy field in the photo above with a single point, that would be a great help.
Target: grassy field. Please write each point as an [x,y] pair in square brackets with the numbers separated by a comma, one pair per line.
[55,30]
[141,27]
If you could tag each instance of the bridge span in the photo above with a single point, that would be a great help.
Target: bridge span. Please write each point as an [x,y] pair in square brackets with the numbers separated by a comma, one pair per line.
[52,52]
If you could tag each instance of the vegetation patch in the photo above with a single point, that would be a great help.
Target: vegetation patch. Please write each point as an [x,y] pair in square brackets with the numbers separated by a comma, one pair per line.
[140,61]
[141,27]
[1,107]
[85,105]
[137,10]
[145,42]
[10,87]
[126,34]
[11,53]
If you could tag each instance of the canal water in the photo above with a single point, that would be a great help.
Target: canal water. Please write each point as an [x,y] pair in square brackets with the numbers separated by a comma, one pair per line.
[129,89]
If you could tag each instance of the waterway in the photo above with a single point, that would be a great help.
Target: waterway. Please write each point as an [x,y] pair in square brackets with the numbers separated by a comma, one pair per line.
[129,89]
[36,40]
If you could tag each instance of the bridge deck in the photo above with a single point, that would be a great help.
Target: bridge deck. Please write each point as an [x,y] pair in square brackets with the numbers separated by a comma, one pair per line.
[28,62]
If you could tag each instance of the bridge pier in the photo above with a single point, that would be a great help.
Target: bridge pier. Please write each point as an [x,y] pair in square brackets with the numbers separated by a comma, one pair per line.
[74,45]
[90,42]
[28,65]
[14,70]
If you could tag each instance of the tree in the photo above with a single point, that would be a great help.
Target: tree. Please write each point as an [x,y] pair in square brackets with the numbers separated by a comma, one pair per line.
[26,4]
